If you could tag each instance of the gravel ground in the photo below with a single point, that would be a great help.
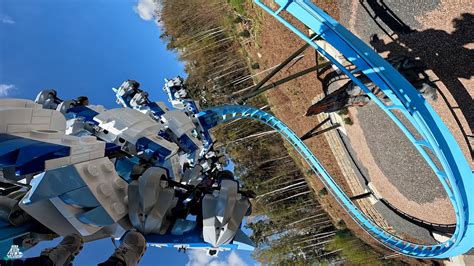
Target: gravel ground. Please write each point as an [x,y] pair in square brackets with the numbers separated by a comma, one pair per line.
[359,22]
[409,194]
[404,227]
[397,157]
[400,225]
[441,36]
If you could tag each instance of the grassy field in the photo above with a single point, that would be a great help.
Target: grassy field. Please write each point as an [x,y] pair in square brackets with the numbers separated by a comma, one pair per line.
[238,5]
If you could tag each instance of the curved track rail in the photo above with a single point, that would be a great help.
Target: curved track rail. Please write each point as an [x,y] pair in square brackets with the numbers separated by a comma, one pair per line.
[451,168]
[459,243]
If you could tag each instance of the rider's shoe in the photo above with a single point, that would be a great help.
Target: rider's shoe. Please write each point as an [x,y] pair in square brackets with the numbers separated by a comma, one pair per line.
[65,252]
[132,248]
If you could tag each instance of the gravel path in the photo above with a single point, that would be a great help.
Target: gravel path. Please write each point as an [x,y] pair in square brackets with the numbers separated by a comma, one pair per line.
[414,193]
[440,33]
[397,157]
[359,22]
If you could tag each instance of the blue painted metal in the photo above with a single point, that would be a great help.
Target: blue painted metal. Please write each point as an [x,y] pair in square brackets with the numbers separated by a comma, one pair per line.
[459,243]
[124,167]
[111,148]
[27,156]
[190,108]
[54,183]
[81,197]
[187,144]
[10,232]
[183,226]
[97,216]
[157,111]
[152,149]
[82,111]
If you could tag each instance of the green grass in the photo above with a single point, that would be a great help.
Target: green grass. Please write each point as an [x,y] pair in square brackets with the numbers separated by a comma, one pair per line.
[323,192]
[238,5]
[348,121]
[353,249]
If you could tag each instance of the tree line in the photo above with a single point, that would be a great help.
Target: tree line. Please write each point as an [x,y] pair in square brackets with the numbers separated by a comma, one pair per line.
[289,225]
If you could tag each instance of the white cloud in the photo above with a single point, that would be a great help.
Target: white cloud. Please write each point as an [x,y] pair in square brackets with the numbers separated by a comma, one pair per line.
[235,260]
[6,19]
[147,8]
[200,258]
[5,89]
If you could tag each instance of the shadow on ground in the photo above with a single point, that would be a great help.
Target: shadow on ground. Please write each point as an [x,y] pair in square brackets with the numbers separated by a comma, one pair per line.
[444,53]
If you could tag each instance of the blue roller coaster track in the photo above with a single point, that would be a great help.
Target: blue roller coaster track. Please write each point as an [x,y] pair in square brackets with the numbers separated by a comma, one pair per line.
[455,173]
